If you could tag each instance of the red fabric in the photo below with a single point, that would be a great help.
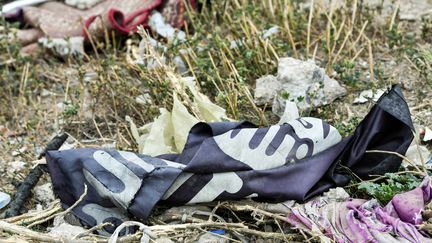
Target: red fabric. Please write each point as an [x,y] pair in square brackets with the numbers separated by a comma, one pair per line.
[57,20]
[126,24]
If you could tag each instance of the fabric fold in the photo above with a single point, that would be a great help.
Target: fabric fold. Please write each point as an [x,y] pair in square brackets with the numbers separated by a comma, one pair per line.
[292,161]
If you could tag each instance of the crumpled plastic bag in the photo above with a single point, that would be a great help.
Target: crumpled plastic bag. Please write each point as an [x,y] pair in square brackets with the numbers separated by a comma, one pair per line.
[169,131]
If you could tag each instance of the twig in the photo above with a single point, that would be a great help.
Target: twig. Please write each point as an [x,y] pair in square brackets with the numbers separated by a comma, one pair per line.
[24,217]
[22,231]
[24,190]
[174,227]
[40,215]
[238,207]
[309,27]
[64,212]
[424,172]
[92,229]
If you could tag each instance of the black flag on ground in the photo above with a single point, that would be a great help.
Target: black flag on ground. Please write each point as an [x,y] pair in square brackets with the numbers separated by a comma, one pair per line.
[296,160]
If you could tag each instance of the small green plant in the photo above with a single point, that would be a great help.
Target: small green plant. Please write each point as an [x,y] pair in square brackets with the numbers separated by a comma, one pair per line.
[347,73]
[70,110]
[393,184]
[394,37]
[285,95]
[346,128]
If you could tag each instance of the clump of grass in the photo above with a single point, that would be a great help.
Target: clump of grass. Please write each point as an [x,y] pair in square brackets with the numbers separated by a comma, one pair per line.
[392,184]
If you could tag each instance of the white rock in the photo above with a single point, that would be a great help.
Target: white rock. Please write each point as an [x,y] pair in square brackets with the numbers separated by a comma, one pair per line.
[369,94]
[305,83]
[272,31]
[109,145]
[45,93]
[148,45]
[235,44]
[211,238]
[44,194]
[62,229]
[16,166]
[427,135]
[64,47]
[337,194]
[266,89]
[90,76]
[144,99]
[165,30]
[163,240]
[60,105]
[180,65]
[417,154]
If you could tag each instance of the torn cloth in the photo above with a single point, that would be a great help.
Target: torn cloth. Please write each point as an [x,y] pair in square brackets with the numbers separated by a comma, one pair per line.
[58,20]
[358,220]
[296,160]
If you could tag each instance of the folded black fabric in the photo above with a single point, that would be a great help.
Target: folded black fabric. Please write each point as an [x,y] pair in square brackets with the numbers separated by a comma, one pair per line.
[296,160]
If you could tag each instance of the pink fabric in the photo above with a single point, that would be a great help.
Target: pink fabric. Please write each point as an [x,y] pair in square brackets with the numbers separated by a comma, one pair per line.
[358,220]
[57,20]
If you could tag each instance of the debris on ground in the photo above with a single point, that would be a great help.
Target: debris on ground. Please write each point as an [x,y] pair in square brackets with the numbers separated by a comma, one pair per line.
[299,81]
[215,121]
[73,46]
[426,134]
[4,199]
[169,131]
[359,220]
[57,21]
[241,161]
[369,94]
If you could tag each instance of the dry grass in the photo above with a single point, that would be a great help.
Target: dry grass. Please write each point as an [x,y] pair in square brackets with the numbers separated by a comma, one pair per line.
[99,90]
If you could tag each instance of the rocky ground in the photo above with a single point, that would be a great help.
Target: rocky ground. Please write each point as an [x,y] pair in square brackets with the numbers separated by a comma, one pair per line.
[241,54]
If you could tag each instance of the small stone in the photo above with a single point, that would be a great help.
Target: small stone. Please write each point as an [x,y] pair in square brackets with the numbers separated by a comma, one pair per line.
[109,145]
[211,238]
[16,166]
[369,94]
[180,65]
[427,134]
[268,228]
[45,93]
[64,47]
[62,229]
[337,194]
[163,240]
[266,89]
[418,154]
[272,31]
[165,30]
[144,99]
[235,44]
[44,194]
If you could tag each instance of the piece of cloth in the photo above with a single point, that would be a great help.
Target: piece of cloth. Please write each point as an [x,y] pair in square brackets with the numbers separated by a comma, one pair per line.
[227,160]
[358,220]
[58,20]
